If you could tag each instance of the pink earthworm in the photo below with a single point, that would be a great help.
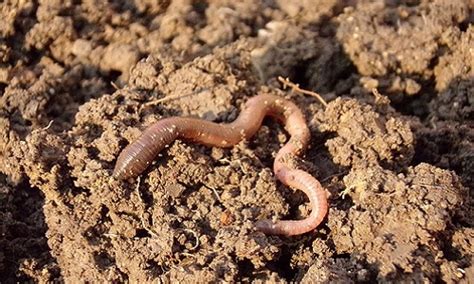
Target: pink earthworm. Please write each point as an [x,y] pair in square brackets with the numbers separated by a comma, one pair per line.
[136,157]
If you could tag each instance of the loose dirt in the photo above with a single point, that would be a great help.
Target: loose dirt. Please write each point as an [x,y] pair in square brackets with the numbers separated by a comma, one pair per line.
[80,80]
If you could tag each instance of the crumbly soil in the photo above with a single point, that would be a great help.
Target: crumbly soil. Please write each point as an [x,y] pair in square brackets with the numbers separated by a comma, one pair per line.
[79,80]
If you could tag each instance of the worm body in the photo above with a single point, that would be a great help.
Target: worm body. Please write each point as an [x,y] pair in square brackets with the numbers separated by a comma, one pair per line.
[136,157]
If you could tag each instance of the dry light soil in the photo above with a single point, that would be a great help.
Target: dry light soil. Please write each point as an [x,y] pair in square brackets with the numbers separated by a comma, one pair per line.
[79,80]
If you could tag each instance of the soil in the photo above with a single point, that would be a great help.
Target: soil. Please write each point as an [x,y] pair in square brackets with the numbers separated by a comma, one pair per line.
[79,80]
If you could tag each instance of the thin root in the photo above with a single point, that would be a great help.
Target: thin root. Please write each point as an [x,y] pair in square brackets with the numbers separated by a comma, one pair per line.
[215,192]
[296,88]
[195,236]
[44,128]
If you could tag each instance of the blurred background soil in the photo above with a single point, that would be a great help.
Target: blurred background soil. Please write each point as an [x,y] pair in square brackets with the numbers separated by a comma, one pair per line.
[79,80]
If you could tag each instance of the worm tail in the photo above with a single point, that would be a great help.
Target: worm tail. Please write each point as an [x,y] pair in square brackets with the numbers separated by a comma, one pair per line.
[303,181]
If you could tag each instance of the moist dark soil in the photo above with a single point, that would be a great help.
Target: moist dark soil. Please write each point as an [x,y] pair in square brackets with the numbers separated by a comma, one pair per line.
[79,80]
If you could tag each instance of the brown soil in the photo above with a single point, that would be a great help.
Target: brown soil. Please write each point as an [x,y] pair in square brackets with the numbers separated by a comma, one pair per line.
[80,79]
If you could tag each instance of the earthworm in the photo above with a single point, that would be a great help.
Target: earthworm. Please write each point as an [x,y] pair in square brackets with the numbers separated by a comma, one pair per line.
[136,157]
